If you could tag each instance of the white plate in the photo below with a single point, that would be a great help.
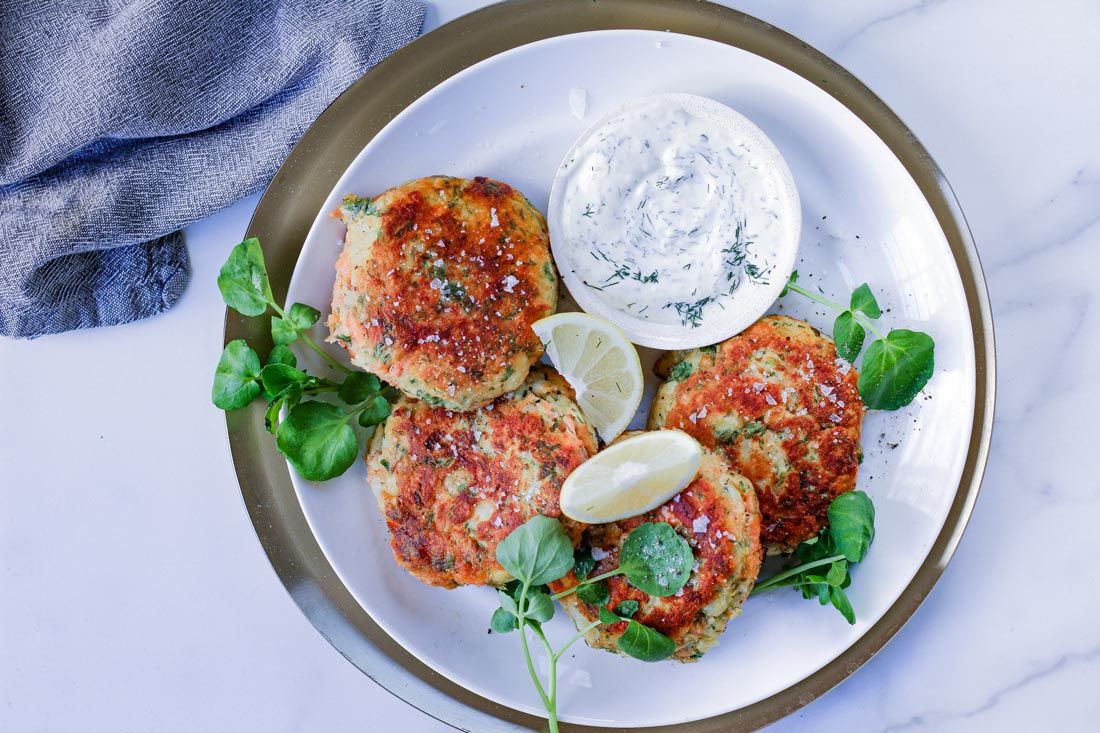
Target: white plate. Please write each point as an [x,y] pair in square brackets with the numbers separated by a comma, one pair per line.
[864,220]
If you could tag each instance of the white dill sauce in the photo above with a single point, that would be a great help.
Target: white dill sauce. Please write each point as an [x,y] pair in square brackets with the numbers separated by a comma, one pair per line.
[676,218]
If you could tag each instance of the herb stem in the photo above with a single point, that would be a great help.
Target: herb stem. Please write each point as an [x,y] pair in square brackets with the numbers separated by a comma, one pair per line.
[527,651]
[552,705]
[530,664]
[324,354]
[320,389]
[863,320]
[587,581]
[352,413]
[868,325]
[815,297]
[791,572]
[310,342]
[575,637]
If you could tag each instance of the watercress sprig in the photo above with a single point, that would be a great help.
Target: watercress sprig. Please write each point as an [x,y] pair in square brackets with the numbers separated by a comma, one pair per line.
[654,558]
[896,366]
[824,562]
[320,439]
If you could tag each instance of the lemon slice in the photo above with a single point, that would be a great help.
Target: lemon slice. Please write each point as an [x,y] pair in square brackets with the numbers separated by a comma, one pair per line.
[600,364]
[631,477]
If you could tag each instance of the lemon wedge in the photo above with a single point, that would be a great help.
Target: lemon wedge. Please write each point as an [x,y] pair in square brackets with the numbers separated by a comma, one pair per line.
[631,477]
[600,364]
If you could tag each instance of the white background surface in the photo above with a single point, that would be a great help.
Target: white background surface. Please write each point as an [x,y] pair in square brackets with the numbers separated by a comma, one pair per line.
[135,597]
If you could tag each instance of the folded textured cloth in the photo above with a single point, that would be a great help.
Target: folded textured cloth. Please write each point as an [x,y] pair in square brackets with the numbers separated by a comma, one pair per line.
[122,122]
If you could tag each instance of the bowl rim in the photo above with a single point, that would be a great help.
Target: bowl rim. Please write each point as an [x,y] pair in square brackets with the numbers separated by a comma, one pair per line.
[726,322]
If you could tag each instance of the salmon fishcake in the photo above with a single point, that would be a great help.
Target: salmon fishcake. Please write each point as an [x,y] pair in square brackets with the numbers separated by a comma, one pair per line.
[718,515]
[784,409]
[452,485]
[437,287]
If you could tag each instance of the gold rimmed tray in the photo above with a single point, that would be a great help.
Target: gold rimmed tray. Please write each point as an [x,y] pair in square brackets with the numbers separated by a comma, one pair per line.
[288,208]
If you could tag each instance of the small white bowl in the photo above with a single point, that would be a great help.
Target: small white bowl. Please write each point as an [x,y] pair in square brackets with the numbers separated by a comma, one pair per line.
[749,301]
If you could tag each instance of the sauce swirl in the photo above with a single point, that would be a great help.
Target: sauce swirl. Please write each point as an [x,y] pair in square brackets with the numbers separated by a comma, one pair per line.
[671,212]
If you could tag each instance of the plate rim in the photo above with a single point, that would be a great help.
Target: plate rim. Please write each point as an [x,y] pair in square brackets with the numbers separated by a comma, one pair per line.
[376,98]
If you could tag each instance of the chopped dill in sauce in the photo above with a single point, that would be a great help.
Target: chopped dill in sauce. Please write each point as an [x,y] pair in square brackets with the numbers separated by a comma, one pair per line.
[677,213]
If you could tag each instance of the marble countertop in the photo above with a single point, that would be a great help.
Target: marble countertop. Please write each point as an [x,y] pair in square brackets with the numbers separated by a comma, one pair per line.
[135,597]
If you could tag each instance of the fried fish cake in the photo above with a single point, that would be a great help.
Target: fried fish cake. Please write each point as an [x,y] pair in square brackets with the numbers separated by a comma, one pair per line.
[437,287]
[785,411]
[454,484]
[718,514]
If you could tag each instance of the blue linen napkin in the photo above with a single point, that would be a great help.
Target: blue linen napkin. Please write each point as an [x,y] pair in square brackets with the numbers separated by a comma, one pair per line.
[120,123]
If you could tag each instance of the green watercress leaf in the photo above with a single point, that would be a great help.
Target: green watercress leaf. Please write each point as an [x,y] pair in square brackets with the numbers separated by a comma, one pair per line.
[841,603]
[848,335]
[277,378]
[376,411]
[358,386]
[513,588]
[536,552]
[282,333]
[299,317]
[838,571]
[302,316]
[626,608]
[282,355]
[243,279]
[814,586]
[607,617]
[815,548]
[290,397]
[508,603]
[271,415]
[644,643]
[895,369]
[852,524]
[845,540]
[235,378]
[583,562]
[811,590]
[539,606]
[317,440]
[503,622]
[863,301]
[655,559]
[595,593]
